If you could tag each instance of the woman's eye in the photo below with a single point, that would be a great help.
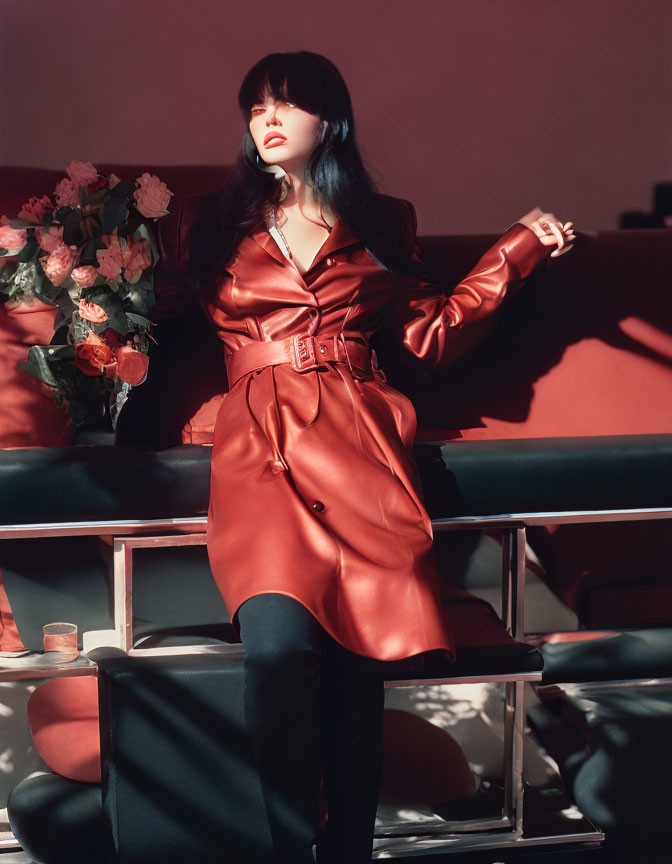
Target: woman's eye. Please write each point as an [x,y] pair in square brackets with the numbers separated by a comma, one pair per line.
[260,110]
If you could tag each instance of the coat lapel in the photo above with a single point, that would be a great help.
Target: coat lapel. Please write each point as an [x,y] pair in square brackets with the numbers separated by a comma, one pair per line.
[339,237]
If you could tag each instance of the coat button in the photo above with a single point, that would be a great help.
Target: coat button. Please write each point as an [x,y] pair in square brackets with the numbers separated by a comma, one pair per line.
[330,262]
[318,505]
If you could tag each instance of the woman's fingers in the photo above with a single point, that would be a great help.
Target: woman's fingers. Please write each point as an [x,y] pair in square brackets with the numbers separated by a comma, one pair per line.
[552,232]
[557,252]
[560,237]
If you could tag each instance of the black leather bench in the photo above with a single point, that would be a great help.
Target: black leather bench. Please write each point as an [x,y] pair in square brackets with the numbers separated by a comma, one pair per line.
[460,479]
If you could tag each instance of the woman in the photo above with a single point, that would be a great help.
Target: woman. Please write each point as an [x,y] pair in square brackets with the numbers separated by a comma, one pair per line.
[317,534]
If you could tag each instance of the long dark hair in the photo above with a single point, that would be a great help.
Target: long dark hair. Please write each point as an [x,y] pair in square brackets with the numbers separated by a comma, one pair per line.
[335,170]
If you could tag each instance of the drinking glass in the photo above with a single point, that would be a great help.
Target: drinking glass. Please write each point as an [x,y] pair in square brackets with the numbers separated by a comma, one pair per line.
[61,638]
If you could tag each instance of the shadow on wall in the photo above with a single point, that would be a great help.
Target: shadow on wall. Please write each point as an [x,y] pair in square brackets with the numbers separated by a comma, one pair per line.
[610,292]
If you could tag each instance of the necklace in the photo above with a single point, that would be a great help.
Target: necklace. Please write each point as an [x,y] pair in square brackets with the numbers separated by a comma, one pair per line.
[284,239]
[273,214]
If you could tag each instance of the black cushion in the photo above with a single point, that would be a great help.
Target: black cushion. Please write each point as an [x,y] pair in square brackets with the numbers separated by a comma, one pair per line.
[73,484]
[628,655]
[59,821]
[535,475]
[614,749]
[178,776]
[468,478]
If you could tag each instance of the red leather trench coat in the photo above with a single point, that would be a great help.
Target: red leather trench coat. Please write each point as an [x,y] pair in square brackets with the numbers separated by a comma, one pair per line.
[314,491]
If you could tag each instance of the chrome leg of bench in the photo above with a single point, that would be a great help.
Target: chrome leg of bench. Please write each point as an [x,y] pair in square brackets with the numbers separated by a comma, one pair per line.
[514,739]
[123,576]
[513,581]
[513,605]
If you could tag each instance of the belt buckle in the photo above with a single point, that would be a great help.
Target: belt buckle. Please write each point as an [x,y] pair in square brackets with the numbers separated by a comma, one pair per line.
[304,353]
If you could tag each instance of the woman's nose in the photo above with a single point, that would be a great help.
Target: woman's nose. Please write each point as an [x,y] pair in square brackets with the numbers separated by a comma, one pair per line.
[272,118]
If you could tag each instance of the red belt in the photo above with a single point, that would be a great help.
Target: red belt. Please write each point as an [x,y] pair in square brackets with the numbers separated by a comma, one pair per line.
[304,352]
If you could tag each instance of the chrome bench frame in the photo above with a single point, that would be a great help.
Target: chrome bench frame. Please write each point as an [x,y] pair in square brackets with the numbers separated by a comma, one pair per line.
[190,531]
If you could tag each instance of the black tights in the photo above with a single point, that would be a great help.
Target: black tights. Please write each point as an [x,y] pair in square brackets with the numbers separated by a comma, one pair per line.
[311,706]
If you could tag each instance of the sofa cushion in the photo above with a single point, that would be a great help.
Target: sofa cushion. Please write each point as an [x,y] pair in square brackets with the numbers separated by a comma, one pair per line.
[59,821]
[63,718]
[613,748]
[71,484]
[619,656]
[459,478]
[546,474]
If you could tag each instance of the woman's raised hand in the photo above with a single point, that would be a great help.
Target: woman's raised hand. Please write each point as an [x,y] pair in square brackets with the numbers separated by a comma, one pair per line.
[550,230]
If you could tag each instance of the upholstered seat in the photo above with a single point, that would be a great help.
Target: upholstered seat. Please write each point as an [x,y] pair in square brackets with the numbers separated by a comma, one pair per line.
[462,478]
[632,654]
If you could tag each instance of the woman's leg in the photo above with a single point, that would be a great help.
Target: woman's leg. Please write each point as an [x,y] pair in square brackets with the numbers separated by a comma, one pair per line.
[351,703]
[282,653]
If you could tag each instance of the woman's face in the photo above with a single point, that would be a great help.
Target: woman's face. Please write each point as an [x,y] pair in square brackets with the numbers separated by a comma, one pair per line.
[284,134]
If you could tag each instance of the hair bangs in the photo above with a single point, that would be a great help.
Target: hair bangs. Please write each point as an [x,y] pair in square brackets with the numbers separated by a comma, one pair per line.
[287,77]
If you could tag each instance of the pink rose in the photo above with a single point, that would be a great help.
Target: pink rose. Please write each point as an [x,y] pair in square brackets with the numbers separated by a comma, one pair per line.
[49,238]
[152,196]
[111,259]
[81,173]
[91,311]
[137,259]
[11,238]
[84,277]
[57,264]
[35,209]
[65,193]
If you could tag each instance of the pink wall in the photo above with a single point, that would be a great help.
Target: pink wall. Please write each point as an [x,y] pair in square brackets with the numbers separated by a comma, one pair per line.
[477,110]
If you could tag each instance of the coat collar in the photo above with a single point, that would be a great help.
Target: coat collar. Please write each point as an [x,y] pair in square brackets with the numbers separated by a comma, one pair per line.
[339,237]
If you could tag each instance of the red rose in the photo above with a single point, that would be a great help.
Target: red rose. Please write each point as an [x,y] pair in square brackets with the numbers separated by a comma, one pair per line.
[101,183]
[131,365]
[95,357]
[112,339]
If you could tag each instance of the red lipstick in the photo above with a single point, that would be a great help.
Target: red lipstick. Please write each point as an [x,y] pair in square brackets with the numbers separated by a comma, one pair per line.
[274,135]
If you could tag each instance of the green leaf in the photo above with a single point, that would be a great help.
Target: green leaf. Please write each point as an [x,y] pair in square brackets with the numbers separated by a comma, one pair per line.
[139,320]
[113,214]
[37,365]
[72,228]
[114,308]
[61,352]
[97,197]
[123,190]
[142,302]
[31,251]
[66,308]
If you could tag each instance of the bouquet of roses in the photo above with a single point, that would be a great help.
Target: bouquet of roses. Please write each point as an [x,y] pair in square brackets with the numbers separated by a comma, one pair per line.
[88,249]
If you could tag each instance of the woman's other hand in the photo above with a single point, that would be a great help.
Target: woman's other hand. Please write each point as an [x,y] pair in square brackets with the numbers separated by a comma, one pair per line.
[550,230]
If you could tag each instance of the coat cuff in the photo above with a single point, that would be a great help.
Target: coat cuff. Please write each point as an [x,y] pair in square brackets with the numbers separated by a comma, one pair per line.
[524,249]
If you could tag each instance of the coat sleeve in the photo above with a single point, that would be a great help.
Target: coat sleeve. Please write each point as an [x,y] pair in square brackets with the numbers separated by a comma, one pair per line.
[436,327]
